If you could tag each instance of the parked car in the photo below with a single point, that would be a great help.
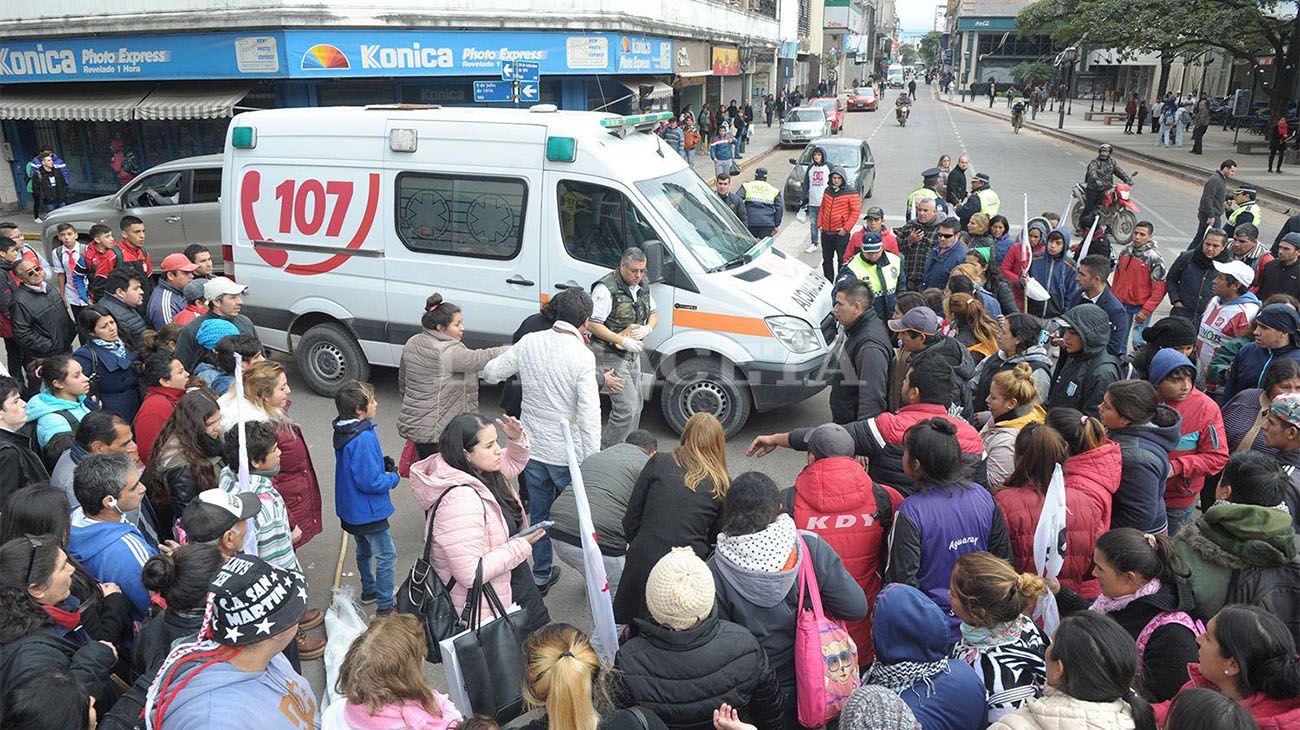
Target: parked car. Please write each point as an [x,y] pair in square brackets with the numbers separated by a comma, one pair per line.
[854,155]
[863,99]
[179,202]
[802,124]
[834,111]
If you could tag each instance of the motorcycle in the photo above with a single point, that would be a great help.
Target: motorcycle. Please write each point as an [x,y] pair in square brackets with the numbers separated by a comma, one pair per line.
[901,112]
[1116,207]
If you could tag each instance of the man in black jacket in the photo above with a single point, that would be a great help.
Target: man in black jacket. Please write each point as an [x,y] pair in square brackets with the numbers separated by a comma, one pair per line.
[1085,368]
[1091,277]
[41,321]
[957,188]
[20,464]
[859,388]
[1209,210]
[1282,275]
[13,353]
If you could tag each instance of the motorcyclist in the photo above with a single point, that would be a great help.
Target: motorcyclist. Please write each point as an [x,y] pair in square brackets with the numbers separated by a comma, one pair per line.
[903,102]
[1098,179]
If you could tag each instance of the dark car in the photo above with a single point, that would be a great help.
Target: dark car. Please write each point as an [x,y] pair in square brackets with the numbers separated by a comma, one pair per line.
[854,155]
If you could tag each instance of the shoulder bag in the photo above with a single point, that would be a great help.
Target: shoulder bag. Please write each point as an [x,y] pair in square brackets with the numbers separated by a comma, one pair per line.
[427,598]
[489,655]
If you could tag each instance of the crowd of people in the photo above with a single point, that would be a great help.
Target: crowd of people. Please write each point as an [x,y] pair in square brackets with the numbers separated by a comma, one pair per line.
[989,385]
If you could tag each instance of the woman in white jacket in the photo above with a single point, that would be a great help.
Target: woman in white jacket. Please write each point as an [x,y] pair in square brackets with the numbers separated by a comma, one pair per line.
[1091,665]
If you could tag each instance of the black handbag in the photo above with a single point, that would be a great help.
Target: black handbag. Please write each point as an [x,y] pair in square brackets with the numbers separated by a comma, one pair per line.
[491,655]
[428,599]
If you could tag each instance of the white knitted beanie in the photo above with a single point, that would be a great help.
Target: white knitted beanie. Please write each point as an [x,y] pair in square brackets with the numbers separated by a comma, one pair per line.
[679,591]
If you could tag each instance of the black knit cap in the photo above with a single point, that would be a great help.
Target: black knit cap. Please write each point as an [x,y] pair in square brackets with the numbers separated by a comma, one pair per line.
[1171,332]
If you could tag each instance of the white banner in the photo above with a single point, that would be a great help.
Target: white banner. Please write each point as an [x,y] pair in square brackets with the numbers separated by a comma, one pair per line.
[601,603]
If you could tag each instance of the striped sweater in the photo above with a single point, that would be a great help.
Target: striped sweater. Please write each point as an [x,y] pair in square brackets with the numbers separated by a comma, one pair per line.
[271,524]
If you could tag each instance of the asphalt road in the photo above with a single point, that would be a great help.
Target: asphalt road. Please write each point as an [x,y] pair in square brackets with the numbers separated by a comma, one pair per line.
[1018,164]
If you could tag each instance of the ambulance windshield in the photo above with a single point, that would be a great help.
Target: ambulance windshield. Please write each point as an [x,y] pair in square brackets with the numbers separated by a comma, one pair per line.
[699,217]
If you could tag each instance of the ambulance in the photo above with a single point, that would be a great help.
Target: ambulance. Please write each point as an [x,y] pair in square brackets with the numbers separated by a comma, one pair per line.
[342,221]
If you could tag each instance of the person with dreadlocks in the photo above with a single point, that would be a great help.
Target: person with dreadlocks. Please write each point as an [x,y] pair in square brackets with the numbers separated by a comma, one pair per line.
[233,674]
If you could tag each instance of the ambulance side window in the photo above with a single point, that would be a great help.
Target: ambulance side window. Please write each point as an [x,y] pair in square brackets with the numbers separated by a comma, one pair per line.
[482,217]
[599,223]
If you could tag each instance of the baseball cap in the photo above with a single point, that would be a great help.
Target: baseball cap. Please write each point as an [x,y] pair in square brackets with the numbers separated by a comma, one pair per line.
[1238,270]
[193,291]
[830,439]
[932,172]
[250,601]
[1245,190]
[209,515]
[874,211]
[1287,408]
[220,286]
[761,173]
[919,319]
[178,262]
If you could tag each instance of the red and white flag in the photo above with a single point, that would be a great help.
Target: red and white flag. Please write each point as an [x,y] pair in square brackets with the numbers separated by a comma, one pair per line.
[599,600]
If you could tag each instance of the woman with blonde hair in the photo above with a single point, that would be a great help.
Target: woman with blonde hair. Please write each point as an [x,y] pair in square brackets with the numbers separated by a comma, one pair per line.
[677,502]
[562,677]
[382,682]
[997,639]
[266,398]
[1013,403]
[975,329]
[980,237]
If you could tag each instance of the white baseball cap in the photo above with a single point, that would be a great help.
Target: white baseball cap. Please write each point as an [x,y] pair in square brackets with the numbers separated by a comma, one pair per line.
[1238,270]
[219,286]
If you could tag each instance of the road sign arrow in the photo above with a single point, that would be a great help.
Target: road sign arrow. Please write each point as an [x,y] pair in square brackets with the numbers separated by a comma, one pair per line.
[528,92]
[507,71]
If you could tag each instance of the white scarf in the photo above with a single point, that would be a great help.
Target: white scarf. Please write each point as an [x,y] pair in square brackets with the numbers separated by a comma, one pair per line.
[765,551]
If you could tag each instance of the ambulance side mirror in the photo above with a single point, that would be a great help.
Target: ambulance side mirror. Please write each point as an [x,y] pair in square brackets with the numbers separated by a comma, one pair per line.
[654,261]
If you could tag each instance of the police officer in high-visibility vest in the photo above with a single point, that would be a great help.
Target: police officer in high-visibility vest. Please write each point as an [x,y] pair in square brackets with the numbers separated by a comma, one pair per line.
[1244,210]
[763,205]
[982,199]
[878,269]
[929,189]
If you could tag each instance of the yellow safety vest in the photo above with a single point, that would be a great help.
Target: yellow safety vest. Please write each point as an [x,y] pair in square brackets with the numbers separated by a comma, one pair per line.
[917,196]
[1252,207]
[760,191]
[882,276]
[989,202]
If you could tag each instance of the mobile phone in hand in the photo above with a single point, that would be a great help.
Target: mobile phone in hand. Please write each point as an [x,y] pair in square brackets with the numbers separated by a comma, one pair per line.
[543,525]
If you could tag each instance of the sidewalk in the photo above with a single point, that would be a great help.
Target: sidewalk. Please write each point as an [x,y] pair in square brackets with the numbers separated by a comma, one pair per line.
[762,140]
[1277,192]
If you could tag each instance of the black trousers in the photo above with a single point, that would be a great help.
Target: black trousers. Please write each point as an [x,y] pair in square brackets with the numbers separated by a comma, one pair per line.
[1090,200]
[1128,123]
[1198,135]
[833,245]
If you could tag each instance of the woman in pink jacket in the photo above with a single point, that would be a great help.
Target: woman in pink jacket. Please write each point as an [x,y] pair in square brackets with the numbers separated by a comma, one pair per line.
[477,510]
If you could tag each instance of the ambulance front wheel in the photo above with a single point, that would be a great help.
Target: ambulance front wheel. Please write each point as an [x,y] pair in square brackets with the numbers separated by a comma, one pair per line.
[329,356]
[705,386]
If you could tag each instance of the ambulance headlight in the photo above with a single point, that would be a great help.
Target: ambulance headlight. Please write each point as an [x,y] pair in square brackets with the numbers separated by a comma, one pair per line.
[794,333]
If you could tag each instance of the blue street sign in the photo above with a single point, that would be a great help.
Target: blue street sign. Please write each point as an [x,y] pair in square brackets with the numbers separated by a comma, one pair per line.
[507,70]
[528,91]
[493,91]
[526,71]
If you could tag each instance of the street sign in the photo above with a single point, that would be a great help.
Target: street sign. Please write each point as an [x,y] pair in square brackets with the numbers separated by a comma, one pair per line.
[528,91]
[507,71]
[493,91]
[526,71]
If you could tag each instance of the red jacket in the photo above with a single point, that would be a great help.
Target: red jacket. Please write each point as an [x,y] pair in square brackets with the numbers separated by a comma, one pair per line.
[1014,266]
[840,209]
[1202,450]
[297,483]
[1140,278]
[893,426]
[157,407]
[1268,713]
[855,242]
[835,499]
[1091,479]
[189,314]
[102,264]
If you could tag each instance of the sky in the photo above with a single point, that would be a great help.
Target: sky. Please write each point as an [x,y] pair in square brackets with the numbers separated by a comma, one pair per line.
[916,16]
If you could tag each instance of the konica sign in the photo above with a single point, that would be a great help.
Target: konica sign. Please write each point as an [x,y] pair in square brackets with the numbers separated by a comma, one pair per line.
[156,57]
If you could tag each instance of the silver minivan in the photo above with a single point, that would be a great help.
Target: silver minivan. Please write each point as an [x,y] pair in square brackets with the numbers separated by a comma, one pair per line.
[179,202]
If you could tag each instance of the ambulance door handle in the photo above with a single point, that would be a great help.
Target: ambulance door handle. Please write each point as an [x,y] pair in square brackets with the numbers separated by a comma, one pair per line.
[517,279]
[173,219]
[570,284]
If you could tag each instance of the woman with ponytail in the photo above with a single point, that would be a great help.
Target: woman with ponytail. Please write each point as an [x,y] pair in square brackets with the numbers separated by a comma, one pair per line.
[562,677]
[975,329]
[946,517]
[1013,403]
[1091,468]
[997,638]
[182,579]
[1090,670]
[1249,656]
[1143,590]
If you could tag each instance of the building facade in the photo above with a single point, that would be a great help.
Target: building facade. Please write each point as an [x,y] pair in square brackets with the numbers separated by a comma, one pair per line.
[984,44]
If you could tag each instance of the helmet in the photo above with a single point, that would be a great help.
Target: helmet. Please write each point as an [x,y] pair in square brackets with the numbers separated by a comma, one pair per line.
[1105,149]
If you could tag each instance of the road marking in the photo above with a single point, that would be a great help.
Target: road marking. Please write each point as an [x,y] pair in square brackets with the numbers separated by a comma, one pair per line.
[879,124]
[1180,233]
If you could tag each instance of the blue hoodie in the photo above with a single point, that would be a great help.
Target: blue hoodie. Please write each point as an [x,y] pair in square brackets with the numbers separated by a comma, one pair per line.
[113,552]
[1056,274]
[361,485]
[909,627]
[44,410]
[222,697]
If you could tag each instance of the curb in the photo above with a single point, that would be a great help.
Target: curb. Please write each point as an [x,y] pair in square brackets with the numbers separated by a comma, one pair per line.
[749,161]
[1277,200]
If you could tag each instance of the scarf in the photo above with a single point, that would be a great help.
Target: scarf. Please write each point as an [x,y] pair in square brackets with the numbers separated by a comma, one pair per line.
[117,347]
[68,619]
[902,676]
[766,551]
[40,288]
[975,639]
[401,715]
[1104,604]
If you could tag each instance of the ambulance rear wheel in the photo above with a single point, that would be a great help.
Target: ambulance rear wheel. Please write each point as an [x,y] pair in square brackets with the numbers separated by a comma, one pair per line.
[705,386]
[329,356]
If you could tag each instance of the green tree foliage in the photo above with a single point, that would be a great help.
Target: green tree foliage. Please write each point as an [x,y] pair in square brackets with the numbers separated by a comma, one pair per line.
[1033,72]
[929,46]
[907,53]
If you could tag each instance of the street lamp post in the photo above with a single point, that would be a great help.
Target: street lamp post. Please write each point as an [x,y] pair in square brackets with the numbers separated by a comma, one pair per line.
[1065,61]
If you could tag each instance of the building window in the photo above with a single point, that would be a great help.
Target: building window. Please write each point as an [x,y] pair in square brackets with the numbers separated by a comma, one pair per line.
[599,223]
[1010,44]
[482,217]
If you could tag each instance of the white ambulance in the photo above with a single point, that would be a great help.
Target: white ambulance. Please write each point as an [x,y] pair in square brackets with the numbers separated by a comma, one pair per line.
[343,220]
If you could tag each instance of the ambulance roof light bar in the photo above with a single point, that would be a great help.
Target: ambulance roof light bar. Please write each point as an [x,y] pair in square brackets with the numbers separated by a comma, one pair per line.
[625,125]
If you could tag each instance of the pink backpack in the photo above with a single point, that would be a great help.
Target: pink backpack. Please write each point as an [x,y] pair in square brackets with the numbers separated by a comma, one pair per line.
[1169,617]
[825,657]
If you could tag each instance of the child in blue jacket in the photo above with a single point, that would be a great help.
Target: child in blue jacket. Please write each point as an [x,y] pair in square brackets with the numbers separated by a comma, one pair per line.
[363,477]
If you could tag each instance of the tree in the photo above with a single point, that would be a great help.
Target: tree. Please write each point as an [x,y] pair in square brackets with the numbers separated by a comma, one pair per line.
[1033,72]
[928,47]
[907,53]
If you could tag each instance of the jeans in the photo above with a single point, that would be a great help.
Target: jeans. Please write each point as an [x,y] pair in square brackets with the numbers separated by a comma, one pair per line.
[378,545]
[544,483]
[1137,327]
[572,556]
[1179,516]
[815,234]
[625,405]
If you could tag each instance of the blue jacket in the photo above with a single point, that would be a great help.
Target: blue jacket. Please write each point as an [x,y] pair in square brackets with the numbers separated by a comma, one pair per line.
[361,485]
[165,302]
[1140,500]
[1056,274]
[44,410]
[113,552]
[909,627]
[762,203]
[939,265]
[213,376]
[1246,372]
[1119,319]
[119,386]
[722,148]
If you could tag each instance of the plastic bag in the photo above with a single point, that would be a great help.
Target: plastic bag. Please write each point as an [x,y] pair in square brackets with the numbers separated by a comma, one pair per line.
[802,215]
[343,624]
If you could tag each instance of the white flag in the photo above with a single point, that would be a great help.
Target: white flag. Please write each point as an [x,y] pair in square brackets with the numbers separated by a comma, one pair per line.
[599,600]
[250,535]
[1024,238]
[1049,548]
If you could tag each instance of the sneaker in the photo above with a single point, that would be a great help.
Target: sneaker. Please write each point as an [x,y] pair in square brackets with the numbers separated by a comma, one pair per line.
[310,620]
[544,588]
[310,647]
[812,248]
[385,612]
[368,599]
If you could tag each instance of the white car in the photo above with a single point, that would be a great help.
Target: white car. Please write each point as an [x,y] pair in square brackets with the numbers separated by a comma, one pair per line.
[804,124]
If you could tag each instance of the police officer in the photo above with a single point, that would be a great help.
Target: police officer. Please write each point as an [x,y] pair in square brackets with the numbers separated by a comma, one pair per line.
[1244,209]
[878,269]
[929,189]
[763,205]
[623,314]
[982,199]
